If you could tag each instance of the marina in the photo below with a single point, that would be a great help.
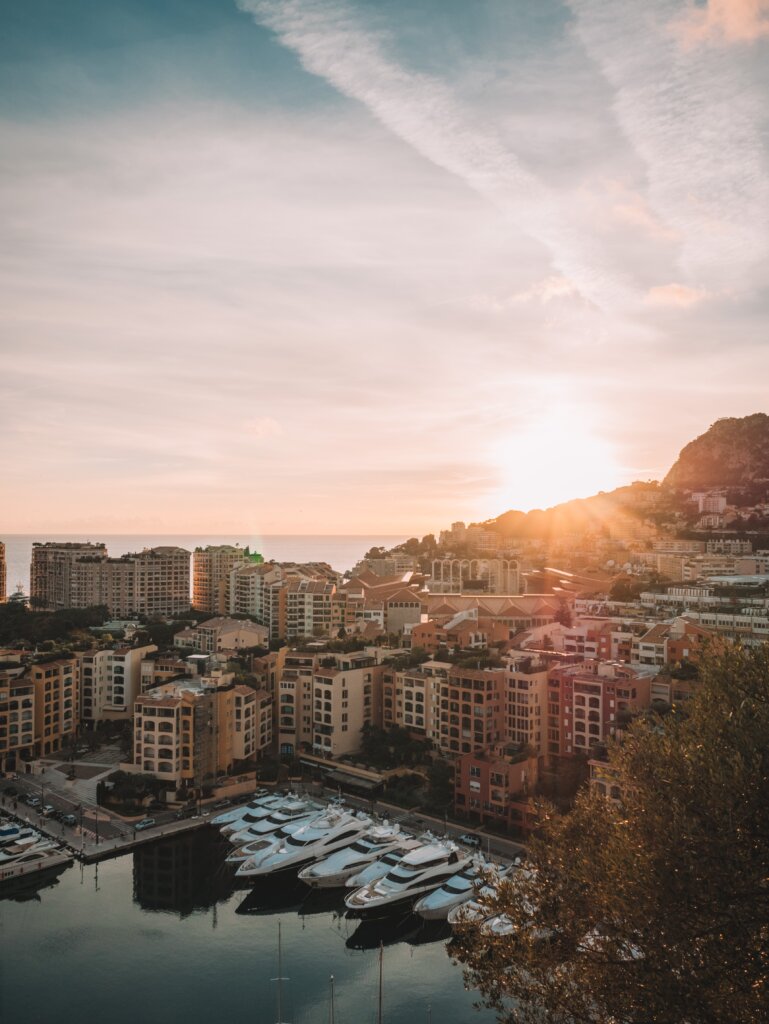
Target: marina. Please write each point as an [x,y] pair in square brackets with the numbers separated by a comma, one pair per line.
[167,933]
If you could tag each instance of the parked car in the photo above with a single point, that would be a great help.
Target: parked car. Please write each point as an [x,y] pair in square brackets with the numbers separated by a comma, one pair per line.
[69,819]
[48,810]
[469,839]
[144,823]
[33,801]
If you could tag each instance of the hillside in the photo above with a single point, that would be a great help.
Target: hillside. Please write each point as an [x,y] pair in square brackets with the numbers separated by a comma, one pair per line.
[732,453]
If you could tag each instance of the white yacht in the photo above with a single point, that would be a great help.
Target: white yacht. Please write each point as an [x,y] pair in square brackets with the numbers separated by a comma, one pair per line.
[234,813]
[418,872]
[332,830]
[241,853]
[379,868]
[457,890]
[258,812]
[334,870]
[13,833]
[472,911]
[12,851]
[289,811]
[26,839]
[33,861]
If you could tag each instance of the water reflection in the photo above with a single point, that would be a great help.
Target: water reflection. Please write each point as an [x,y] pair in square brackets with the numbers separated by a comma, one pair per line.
[409,928]
[182,874]
[29,888]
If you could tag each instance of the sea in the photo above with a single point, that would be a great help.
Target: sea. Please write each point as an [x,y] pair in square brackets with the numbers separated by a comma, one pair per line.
[162,936]
[341,551]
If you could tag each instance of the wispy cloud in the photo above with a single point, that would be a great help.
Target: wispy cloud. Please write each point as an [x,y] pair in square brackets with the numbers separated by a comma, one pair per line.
[333,43]
[694,117]
[723,21]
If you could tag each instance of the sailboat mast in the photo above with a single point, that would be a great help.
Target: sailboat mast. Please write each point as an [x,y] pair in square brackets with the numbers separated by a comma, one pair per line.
[381,955]
[280,977]
[331,1012]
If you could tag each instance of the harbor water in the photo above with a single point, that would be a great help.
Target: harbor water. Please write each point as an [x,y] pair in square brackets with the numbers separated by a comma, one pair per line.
[163,935]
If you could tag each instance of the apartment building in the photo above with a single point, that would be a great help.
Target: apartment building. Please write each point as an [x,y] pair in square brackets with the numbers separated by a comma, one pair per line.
[211,569]
[526,701]
[308,607]
[56,702]
[411,698]
[493,787]
[187,733]
[346,695]
[110,682]
[222,634]
[294,700]
[17,719]
[585,699]
[669,643]
[65,575]
[472,710]
[155,581]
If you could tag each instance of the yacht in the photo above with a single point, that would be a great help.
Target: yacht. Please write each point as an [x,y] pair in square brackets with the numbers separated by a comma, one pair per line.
[258,812]
[32,862]
[332,830]
[241,853]
[289,811]
[227,817]
[12,851]
[474,912]
[379,868]
[418,872]
[334,870]
[457,890]
[12,833]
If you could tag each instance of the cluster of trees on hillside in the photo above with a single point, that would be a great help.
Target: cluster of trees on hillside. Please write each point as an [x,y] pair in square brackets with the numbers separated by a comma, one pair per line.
[653,909]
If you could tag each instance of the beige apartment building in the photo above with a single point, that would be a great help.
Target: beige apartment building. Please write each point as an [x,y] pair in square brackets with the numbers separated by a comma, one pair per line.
[190,732]
[222,634]
[411,698]
[110,682]
[56,703]
[155,581]
[211,569]
[346,695]
[294,697]
[526,702]
[17,719]
[64,575]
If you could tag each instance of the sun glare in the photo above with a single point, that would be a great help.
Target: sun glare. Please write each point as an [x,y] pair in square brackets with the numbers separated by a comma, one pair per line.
[557,458]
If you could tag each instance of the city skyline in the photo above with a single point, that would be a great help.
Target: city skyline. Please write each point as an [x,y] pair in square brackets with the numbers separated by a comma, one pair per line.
[303,266]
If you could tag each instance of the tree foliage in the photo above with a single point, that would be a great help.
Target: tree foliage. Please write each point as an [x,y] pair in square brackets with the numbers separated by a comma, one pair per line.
[654,909]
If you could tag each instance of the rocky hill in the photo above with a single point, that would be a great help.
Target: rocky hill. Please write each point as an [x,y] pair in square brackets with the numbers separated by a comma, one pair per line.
[732,453]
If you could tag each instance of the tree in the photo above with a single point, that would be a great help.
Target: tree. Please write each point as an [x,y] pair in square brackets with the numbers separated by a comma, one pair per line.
[654,908]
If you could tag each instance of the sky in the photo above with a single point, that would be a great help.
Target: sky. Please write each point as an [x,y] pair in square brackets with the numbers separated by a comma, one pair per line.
[309,266]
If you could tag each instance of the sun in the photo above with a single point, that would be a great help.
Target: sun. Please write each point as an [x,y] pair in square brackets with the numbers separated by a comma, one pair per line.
[553,459]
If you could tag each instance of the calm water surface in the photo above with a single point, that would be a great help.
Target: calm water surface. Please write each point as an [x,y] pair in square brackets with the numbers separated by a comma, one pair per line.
[162,936]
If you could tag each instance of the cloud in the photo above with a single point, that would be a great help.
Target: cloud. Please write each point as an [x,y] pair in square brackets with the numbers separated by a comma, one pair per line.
[695,119]
[424,111]
[674,294]
[723,21]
